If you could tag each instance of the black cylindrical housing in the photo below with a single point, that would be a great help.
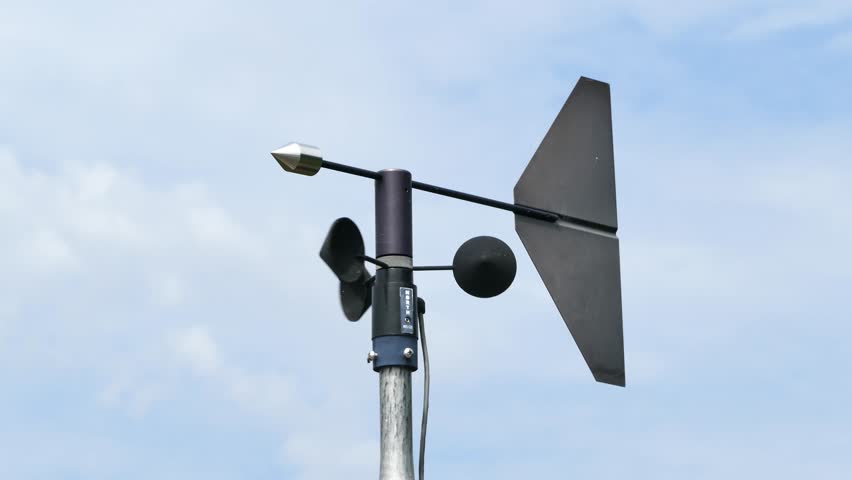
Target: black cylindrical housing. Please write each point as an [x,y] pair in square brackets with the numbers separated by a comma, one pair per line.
[394,302]
[393,213]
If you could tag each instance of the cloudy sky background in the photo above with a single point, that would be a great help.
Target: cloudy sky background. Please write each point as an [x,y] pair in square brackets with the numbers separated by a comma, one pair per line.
[164,313]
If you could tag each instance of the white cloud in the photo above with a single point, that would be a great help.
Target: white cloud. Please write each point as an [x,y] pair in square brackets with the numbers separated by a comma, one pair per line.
[842,42]
[666,18]
[168,289]
[134,396]
[196,346]
[260,393]
[113,234]
[815,191]
[47,250]
[325,454]
[311,432]
[36,452]
[91,217]
[211,225]
[796,16]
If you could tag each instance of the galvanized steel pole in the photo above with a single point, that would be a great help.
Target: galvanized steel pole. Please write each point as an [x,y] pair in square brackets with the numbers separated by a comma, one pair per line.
[397,460]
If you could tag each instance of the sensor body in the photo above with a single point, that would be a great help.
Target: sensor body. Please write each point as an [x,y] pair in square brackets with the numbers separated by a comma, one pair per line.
[394,292]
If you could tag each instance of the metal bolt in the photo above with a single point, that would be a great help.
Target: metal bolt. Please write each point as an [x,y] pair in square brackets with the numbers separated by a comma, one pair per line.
[408,353]
[372,356]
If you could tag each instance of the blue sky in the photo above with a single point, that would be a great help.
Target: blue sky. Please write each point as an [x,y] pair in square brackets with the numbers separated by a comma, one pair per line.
[164,313]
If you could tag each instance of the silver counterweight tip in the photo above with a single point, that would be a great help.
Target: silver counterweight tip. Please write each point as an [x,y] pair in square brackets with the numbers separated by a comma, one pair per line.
[299,158]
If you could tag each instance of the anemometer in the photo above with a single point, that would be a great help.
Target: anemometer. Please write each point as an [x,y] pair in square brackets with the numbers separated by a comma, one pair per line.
[565,214]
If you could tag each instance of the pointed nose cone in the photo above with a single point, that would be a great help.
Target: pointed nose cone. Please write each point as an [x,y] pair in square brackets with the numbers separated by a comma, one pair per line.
[299,158]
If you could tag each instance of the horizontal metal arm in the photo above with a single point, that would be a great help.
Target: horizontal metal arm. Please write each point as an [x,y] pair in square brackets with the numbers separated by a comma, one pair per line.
[518,209]
[350,170]
[427,268]
[511,207]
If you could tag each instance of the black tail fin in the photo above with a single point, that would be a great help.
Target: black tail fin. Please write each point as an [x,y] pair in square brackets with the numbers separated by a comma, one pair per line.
[572,174]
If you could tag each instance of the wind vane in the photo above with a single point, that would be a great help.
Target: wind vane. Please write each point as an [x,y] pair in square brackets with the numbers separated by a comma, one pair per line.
[565,215]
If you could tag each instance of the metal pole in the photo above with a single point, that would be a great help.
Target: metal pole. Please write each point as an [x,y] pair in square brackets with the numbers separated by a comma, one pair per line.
[397,460]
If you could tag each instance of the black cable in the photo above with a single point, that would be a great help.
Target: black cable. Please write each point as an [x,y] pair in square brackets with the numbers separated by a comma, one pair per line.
[372,260]
[422,463]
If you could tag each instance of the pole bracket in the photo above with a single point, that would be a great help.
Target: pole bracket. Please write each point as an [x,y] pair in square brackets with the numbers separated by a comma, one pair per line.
[391,352]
